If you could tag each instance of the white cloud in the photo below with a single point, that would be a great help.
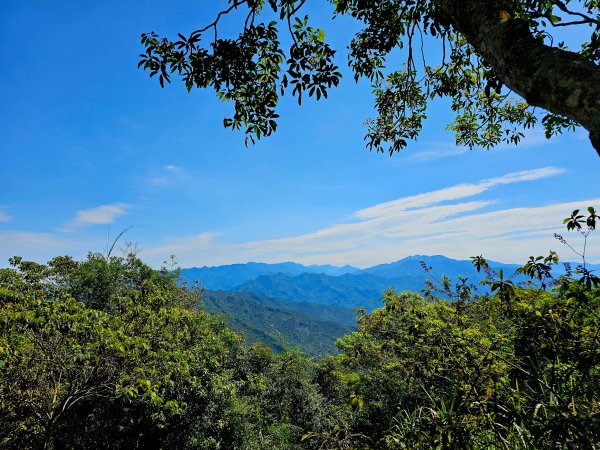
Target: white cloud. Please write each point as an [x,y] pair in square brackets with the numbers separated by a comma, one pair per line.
[435,222]
[200,243]
[453,193]
[39,247]
[4,217]
[169,175]
[525,175]
[428,155]
[100,215]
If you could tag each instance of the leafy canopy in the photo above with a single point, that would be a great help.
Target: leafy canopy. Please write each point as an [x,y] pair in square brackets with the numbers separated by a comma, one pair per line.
[256,67]
[109,350]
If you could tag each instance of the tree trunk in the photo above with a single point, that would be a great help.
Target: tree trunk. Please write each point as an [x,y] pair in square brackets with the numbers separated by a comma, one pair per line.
[559,81]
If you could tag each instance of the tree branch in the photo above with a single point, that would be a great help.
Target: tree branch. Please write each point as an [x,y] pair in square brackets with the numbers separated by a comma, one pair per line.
[557,80]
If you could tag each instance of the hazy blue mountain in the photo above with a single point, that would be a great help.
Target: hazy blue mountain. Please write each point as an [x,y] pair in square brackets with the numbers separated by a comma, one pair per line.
[291,305]
[364,288]
[349,290]
[328,269]
[346,287]
[440,265]
[228,276]
[312,328]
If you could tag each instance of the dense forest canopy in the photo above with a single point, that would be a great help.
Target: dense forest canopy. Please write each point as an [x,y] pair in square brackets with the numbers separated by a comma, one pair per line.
[108,350]
[488,51]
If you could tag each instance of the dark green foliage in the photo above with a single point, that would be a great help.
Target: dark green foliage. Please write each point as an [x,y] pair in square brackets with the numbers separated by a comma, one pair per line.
[119,354]
[518,374]
[110,351]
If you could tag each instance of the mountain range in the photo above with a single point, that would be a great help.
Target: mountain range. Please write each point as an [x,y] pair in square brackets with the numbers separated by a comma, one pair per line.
[346,287]
[292,305]
[229,276]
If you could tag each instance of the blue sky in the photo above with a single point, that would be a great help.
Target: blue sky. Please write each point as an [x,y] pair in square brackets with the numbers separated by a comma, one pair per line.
[91,146]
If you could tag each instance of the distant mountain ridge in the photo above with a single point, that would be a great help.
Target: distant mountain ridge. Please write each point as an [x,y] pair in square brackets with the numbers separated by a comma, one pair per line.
[234,276]
[441,266]
[231,275]
[346,287]
[291,305]
[348,290]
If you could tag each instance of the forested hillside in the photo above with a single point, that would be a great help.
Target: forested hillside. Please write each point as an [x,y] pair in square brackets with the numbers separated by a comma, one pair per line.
[281,324]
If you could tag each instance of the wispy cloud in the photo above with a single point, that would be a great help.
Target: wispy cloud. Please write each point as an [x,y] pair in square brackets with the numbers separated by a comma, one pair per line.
[429,223]
[443,152]
[39,246]
[4,217]
[100,215]
[456,192]
[167,175]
